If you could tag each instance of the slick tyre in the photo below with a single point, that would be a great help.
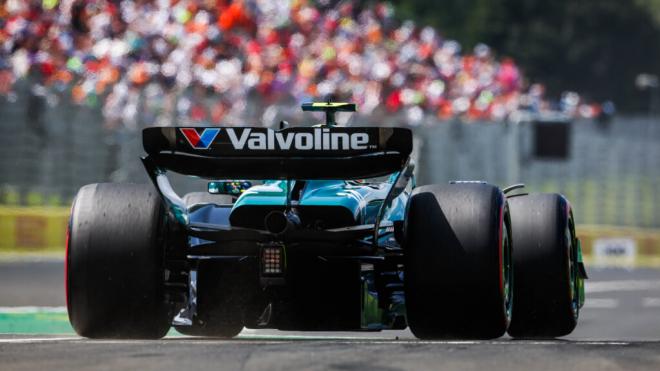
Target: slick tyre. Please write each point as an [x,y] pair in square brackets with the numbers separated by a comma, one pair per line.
[114,263]
[545,297]
[457,262]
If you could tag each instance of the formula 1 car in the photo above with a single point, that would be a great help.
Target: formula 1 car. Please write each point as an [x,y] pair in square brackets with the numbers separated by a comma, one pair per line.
[318,244]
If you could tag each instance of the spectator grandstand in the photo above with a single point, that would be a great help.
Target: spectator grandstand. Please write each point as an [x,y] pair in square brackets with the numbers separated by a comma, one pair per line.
[160,62]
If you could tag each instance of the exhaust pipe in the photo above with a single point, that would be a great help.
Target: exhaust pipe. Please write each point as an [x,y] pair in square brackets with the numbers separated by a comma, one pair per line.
[278,222]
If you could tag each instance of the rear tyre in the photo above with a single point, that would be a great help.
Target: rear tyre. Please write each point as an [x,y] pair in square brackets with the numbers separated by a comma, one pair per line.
[457,262]
[114,273]
[546,298]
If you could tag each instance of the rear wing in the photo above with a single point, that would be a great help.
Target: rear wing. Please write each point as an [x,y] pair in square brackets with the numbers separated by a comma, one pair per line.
[291,153]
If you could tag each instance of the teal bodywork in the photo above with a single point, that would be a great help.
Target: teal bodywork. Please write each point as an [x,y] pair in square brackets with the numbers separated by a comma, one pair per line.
[362,199]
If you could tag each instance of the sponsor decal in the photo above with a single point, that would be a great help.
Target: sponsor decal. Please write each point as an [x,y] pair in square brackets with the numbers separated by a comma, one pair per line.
[313,139]
[200,141]
[318,140]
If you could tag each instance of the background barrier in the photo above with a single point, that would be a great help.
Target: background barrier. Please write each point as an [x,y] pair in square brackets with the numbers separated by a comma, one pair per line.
[33,229]
[621,246]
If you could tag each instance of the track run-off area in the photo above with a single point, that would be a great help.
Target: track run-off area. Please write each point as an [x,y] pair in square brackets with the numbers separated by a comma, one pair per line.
[619,329]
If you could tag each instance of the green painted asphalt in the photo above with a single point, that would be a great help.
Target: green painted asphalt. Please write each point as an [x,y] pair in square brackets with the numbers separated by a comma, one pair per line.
[39,322]
[42,322]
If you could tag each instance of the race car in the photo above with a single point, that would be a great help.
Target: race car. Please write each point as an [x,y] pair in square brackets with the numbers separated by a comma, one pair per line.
[329,232]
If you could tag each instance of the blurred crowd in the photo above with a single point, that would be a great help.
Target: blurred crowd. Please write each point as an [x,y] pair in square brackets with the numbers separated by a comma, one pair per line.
[161,62]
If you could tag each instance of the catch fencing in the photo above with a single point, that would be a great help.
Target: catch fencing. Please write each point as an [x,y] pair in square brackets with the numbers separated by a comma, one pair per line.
[611,173]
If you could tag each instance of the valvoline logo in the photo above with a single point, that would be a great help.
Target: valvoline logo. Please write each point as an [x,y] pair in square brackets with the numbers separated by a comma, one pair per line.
[200,141]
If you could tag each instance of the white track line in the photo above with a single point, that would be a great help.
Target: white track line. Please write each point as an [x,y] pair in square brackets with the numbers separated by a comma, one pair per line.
[598,303]
[35,340]
[10,258]
[31,310]
[651,302]
[285,339]
[624,285]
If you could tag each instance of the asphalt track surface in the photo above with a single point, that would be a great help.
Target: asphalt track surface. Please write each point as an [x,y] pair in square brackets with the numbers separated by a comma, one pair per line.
[619,329]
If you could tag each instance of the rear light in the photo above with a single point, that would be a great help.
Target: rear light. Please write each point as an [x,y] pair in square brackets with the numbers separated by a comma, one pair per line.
[272,260]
